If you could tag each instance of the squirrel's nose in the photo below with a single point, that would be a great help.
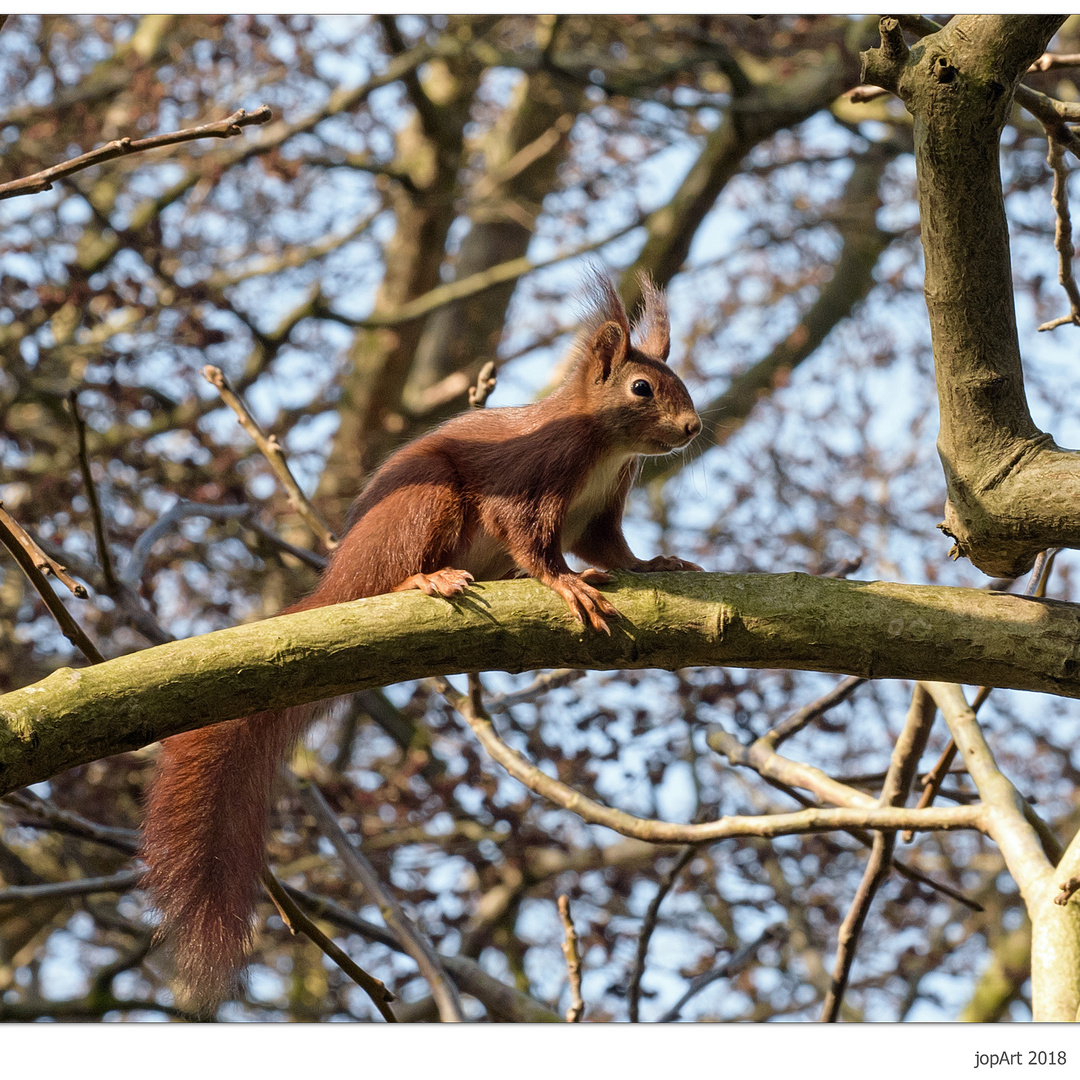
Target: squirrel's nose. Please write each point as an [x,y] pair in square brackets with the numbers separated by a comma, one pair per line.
[692,426]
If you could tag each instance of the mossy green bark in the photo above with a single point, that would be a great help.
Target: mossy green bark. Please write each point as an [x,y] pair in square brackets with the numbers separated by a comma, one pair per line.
[873,629]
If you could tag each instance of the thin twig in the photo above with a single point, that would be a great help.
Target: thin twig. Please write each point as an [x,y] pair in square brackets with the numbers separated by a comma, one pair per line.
[1055,158]
[305,555]
[1068,888]
[474,284]
[902,767]
[298,922]
[119,882]
[572,953]
[182,509]
[104,556]
[501,1001]
[732,966]
[1049,61]
[135,566]
[129,604]
[529,154]
[549,680]
[866,839]
[414,943]
[220,129]
[874,875]
[125,840]
[322,907]
[15,539]
[44,562]
[770,768]
[54,817]
[485,384]
[271,450]
[648,925]
[799,719]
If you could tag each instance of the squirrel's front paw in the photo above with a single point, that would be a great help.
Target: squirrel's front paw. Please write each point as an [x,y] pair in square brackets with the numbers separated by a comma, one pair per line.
[664,563]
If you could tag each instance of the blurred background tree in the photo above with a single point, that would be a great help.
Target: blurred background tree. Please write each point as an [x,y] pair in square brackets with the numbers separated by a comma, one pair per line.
[424,201]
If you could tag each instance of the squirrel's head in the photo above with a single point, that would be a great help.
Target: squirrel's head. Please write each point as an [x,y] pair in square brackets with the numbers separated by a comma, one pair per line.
[642,404]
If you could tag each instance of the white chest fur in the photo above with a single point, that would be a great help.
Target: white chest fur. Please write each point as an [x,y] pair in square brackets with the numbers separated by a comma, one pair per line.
[487,559]
[593,497]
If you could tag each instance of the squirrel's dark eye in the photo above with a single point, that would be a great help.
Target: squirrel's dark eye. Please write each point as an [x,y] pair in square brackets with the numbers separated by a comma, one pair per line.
[641,388]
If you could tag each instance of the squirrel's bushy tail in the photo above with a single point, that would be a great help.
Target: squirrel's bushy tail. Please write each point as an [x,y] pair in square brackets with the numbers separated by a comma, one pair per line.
[204,840]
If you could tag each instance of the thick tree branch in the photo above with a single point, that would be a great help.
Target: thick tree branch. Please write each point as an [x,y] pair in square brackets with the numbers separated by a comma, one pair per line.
[1011,491]
[669,621]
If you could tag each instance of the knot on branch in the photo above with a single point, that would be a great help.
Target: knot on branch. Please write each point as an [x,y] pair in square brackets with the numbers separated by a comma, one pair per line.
[944,72]
[882,66]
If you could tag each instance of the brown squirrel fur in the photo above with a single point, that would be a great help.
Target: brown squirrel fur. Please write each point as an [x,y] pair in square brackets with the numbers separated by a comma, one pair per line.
[488,492]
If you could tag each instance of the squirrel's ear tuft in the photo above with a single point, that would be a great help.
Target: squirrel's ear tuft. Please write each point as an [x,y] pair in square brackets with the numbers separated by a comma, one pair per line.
[605,333]
[606,350]
[653,329]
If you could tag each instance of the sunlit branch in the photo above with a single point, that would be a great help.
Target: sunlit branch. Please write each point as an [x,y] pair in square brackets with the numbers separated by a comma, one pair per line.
[25,552]
[769,825]
[272,451]
[219,129]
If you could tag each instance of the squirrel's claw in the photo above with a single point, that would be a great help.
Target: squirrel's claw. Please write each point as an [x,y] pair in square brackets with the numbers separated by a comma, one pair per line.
[444,582]
[664,563]
[587,605]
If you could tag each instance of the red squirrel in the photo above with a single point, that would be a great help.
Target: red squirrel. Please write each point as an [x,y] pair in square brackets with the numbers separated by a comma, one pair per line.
[490,492]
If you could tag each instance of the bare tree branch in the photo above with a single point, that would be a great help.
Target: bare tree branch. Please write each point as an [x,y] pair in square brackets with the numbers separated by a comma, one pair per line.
[298,922]
[736,963]
[27,554]
[648,925]
[902,767]
[272,451]
[1063,243]
[769,825]
[219,129]
[412,940]
[104,555]
[576,1012]
[679,620]
[119,882]
[38,558]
